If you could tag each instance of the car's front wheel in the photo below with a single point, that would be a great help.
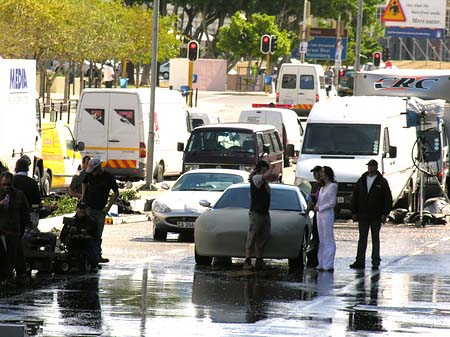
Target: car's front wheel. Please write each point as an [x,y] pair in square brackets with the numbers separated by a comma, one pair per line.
[202,260]
[159,235]
[300,261]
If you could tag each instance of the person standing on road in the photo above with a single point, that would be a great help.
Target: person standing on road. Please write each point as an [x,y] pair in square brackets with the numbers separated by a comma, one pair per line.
[95,192]
[77,180]
[108,74]
[325,219]
[259,217]
[313,248]
[371,204]
[14,218]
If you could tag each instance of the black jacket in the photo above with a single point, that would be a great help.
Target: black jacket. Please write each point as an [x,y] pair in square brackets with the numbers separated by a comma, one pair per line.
[372,205]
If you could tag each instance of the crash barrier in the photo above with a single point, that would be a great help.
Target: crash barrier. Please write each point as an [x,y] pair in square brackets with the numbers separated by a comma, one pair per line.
[56,110]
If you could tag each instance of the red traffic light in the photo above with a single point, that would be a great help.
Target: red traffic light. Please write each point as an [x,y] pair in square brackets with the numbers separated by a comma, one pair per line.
[265,44]
[376,58]
[376,55]
[192,52]
[265,39]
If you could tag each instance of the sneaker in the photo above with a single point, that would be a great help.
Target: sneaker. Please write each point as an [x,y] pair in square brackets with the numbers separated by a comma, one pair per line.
[259,264]
[357,265]
[247,265]
[103,260]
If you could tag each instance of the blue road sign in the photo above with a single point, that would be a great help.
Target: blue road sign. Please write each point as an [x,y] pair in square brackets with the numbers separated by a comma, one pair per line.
[324,48]
[418,33]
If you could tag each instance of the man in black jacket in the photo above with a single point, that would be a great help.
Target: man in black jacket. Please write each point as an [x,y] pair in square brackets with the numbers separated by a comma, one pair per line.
[371,204]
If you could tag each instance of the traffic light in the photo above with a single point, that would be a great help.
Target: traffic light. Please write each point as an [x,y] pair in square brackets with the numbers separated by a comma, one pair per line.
[273,43]
[376,59]
[385,55]
[192,52]
[265,44]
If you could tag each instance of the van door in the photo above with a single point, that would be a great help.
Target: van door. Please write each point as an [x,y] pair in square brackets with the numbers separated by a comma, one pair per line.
[123,135]
[72,158]
[91,124]
[308,86]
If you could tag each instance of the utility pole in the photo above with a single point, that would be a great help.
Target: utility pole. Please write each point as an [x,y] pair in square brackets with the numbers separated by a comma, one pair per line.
[358,35]
[304,31]
[151,122]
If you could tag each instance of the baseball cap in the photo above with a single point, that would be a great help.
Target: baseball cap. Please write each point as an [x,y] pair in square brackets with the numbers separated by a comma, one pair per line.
[316,168]
[372,162]
[93,164]
[81,204]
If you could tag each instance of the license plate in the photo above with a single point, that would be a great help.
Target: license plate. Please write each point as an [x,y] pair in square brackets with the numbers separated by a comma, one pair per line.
[340,200]
[185,224]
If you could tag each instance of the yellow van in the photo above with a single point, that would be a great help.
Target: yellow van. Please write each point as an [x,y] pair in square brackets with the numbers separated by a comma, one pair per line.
[61,160]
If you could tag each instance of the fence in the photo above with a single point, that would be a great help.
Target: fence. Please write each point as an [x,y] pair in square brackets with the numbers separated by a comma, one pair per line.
[57,110]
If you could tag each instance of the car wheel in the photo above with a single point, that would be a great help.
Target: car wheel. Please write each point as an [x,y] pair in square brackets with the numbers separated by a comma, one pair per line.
[166,75]
[186,237]
[300,261]
[203,260]
[64,267]
[159,235]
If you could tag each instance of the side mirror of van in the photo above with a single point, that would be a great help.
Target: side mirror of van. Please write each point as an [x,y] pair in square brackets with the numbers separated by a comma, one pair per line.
[79,146]
[392,151]
[289,150]
[180,147]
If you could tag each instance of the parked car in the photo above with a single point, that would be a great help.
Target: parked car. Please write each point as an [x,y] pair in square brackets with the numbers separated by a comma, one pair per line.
[177,210]
[164,70]
[222,230]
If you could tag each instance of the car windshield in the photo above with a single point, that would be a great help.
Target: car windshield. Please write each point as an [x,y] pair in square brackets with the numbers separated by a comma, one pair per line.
[280,199]
[222,141]
[206,181]
[345,139]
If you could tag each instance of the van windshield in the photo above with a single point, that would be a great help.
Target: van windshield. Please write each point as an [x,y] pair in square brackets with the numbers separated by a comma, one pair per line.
[342,139]
[222,141]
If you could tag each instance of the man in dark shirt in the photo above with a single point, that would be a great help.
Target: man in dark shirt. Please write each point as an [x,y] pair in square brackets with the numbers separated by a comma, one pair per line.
[78,178]
[259,229]
[95,192]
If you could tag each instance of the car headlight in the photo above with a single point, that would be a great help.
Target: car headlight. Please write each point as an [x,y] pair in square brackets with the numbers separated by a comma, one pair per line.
[188,167]
[303,184]
[159,207]
[246,168]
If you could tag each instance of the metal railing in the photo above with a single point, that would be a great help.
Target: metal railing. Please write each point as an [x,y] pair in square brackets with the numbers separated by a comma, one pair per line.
[57,110]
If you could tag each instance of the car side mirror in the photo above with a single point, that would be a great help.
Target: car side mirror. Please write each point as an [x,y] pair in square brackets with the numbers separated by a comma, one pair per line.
[180,147]
[204,203]
[289,150]
[392,151]
[165,186]
[79,146]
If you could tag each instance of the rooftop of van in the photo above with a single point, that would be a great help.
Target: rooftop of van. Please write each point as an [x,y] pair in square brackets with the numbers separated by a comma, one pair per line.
[233,125]
[357,109]
[144,93]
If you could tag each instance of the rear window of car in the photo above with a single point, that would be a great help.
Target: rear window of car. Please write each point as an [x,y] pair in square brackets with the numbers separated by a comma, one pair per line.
[206,181]
[307,82]
[289,81]
[280,199]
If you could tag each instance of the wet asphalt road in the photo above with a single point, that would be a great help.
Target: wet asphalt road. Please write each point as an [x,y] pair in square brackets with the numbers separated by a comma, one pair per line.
[154,289]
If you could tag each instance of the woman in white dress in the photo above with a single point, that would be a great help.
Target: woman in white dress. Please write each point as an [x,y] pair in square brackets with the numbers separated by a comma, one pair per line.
[325,219]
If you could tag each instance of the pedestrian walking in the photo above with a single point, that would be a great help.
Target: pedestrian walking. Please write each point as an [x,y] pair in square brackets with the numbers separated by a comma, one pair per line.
[14,216]
[75,189]
[313,249]
[371,204]
[259,217]
[95,192]
[108,74]
[325,219]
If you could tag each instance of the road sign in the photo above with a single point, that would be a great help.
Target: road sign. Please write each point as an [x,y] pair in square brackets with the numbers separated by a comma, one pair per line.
[393,12]
[418,33]
[324,48]
[415,13]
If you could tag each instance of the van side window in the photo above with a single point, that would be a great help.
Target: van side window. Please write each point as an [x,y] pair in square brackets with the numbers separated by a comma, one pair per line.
[386,142]
[322,82]
[275,142]
[289,81]
[307,82]
[260,143]
[268,140]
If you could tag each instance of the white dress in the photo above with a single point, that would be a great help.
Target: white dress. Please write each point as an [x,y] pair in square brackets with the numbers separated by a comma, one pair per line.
[325,223]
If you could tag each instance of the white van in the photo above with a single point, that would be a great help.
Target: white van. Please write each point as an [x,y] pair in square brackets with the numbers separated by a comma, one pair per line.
[345,133]
[286,122]
[113,124]
[302,85]
[199,118]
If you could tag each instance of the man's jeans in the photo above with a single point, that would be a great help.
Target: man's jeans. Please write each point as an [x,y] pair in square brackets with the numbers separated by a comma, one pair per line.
[99,218]
[375,226]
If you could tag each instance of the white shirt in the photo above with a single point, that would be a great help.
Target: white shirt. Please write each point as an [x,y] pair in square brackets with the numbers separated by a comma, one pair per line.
[108,73]
[370,181]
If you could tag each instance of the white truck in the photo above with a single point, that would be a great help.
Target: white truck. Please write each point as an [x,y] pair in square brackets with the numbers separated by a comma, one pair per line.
[19,130]
[346,132]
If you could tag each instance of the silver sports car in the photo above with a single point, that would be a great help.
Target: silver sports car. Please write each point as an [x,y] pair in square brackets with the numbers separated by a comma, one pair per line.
[177,210]
[221,231]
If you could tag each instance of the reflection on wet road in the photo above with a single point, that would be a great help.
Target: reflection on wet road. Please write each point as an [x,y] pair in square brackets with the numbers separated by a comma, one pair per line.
[171,297]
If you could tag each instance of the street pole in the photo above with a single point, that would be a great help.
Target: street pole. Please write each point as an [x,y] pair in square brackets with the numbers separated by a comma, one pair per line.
[190,75]
[151,122]
[305,18]
[358,35]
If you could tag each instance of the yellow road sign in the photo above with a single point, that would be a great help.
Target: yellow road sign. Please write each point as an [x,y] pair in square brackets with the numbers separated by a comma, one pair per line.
[393,12]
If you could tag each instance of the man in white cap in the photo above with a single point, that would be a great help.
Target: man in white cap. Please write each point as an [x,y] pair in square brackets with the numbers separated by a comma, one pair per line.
[95,193]
[371,204]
